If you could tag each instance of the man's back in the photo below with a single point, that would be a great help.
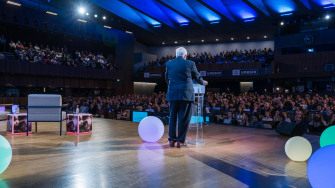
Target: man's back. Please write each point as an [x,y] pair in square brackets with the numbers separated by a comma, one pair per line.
[179,74]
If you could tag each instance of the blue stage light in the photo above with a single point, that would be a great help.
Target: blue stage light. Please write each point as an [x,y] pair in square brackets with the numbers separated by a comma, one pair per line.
[152,9]
[324,2]
[184,24]
[124,11]
[282,6]
[220,7]
[149,20]
[203,11]
[260,5]
[214,22]
[182,6]
[329,6]
[286,14]
[249,20]
[172,14]
[240,9]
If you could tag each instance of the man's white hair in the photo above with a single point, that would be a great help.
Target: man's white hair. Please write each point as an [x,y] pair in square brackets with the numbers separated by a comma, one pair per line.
[181,52]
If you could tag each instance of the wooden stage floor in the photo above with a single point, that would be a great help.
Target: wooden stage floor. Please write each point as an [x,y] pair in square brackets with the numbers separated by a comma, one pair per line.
[114,156]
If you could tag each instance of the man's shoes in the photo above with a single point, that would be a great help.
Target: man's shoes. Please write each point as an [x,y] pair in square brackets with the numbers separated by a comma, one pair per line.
[180,144]
[172,143]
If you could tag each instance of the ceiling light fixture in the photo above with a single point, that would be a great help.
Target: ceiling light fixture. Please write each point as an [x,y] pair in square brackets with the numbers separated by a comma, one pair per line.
[13,3]
[81,20]
[249,20]
[51,13]
[81,10]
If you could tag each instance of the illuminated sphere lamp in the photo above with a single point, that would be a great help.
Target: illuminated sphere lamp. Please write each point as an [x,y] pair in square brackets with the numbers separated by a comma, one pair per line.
[151,129]
[320,168]
[298,149]
[5,154]
[328,136]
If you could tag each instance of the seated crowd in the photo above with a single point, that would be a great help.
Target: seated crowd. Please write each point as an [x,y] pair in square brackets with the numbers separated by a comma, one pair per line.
[314,112]
[264,56]
[59,56]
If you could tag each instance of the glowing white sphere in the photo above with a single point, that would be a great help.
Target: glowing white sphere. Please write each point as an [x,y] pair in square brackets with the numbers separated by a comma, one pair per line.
[320,167]
[151,129]
[298,148]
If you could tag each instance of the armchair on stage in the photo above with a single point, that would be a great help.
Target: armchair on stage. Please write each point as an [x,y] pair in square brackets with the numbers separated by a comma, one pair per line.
[44,108]
[195,133]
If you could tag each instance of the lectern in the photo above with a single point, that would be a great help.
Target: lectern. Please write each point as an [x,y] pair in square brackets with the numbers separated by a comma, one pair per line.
[195,131]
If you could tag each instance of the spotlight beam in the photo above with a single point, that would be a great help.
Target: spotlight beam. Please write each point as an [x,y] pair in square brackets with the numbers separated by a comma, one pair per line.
[168,22]
[231,17]
[197,20]
[259,10]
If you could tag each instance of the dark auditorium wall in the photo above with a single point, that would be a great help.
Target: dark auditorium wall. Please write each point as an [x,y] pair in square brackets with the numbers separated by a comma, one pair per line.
[124,57]
[88,36]
[293,59]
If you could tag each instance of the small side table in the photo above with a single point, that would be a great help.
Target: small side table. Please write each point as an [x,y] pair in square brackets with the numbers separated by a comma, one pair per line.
[78,124]
[17,124]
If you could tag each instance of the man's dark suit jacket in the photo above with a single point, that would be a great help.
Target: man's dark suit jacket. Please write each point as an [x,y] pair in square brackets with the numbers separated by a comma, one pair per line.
[179,75]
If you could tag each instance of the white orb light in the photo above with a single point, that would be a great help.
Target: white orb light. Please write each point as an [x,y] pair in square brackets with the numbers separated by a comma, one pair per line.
[298,148]
[151,129]
[320,167]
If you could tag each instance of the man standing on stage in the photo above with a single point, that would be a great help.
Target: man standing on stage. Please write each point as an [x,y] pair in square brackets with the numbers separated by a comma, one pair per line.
[179,75]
